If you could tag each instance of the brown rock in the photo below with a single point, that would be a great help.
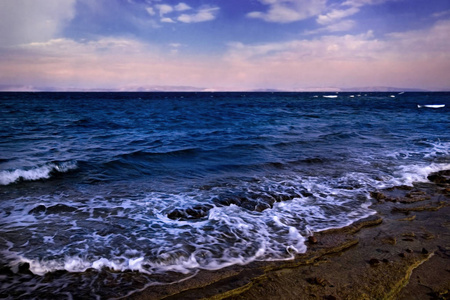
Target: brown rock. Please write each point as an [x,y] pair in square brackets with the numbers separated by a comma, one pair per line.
[377,196]
[317,281]
[312,239]
[374,262]
[389,240]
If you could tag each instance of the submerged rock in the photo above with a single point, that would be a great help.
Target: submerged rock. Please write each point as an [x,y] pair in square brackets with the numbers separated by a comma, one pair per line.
[195,212]
[24,268]
[38,209]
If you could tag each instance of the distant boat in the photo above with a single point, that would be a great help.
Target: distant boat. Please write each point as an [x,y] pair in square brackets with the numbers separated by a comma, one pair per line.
[330,96]
[431,105]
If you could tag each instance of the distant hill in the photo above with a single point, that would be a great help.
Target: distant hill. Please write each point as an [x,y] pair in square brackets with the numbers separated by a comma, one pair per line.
[382,89]
[164,88]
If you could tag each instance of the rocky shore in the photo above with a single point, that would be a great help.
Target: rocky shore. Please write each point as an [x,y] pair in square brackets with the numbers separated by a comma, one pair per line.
[402,252]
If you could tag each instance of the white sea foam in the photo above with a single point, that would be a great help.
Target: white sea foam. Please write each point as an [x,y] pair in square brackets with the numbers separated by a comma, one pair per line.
[42,172]
[136,234]
[409,174]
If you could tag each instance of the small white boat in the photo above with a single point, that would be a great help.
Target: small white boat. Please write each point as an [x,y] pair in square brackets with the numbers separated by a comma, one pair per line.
[431,106]
[330,96]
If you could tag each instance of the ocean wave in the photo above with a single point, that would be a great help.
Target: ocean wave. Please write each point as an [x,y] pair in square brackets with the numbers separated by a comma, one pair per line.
[38,173]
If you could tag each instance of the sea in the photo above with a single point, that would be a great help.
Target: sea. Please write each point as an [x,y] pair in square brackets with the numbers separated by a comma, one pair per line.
[103,194]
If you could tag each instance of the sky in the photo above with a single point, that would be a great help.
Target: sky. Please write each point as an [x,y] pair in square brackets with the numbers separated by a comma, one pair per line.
[229,45]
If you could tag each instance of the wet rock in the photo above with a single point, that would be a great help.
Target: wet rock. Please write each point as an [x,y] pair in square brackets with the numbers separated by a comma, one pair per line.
[24,268]
[38,209]
[258,201]
[410,218]
[408,199]
[424,251]
[441,177]
[262,206]
[284,197]
[428,236]
[385,260]
[429,207]
[389,240]
[317,281]
[377,196]
[400,187]
[227,201]
[195,212]
[5,270]
[51,276]
[409,250]
[409,234]
[60,208]
[374,262]
[402,255]
[312,239]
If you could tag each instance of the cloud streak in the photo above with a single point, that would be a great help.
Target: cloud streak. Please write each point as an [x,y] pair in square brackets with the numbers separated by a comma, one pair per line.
[414,58]
[287,11]
[202,15]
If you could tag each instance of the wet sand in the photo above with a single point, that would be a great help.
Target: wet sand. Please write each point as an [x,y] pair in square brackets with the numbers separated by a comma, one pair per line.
[402,252]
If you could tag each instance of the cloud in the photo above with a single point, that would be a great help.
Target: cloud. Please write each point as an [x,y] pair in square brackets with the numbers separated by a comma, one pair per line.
[441,14]
[336,15]
[25,21]
[334,20]
[164,9]
[167,20]
[113,63]
[287,11]
[405,59]
[202,15]
[151,11]
[418,58]
[182,7]
[360,3]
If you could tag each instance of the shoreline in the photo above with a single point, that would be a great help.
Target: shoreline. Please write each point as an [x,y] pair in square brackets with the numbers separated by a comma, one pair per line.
[401,252]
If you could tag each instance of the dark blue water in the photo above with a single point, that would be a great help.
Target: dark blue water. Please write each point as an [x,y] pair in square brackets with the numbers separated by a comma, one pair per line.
[170,183]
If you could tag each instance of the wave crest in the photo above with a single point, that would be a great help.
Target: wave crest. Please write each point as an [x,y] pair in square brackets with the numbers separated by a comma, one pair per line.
[37,173]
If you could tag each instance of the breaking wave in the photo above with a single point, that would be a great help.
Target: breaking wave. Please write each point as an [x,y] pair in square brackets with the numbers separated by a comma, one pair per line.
[38,173]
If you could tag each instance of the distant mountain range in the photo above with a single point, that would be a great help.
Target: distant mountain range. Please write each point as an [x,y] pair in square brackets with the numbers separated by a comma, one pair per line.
[19,88]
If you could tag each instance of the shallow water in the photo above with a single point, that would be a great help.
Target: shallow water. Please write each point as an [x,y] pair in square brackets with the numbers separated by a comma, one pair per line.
[170,183]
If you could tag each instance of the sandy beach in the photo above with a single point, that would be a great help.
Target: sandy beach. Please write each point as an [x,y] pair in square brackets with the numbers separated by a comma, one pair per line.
[402,252]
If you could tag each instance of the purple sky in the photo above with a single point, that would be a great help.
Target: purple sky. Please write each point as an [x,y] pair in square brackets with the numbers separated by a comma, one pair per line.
[224,44]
